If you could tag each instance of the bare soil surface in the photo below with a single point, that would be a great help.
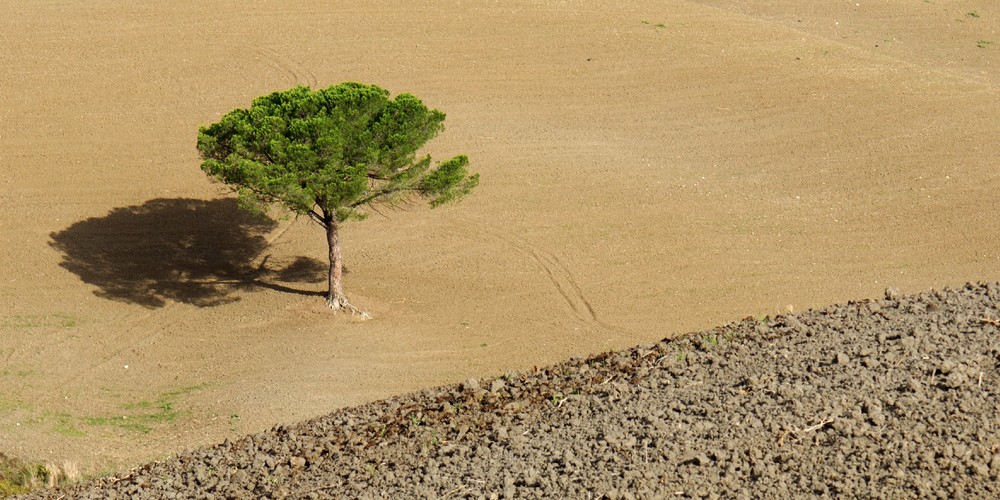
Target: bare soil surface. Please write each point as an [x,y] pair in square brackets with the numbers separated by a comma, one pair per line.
[649,168]
[895,398]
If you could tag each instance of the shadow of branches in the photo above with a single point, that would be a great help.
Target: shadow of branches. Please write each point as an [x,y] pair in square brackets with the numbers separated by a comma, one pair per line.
[181,250]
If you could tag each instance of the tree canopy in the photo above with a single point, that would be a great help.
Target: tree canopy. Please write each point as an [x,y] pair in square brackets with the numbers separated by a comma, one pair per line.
[331,153]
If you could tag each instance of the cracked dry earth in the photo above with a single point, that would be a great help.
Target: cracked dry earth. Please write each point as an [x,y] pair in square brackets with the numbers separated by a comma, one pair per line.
[889,398]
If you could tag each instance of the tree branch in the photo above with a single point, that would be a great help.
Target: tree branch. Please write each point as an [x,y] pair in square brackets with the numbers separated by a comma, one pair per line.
[374,197]
[317,218]
[377,210]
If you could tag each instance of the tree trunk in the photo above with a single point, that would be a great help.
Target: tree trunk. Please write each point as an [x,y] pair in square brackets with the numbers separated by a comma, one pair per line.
[335,293]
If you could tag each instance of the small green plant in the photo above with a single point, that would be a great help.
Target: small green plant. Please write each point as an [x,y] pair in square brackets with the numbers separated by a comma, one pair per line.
[983,43]
[234,419]
[972,13]
[556,398]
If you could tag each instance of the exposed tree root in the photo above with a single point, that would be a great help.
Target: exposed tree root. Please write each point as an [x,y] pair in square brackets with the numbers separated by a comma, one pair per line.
[340,304]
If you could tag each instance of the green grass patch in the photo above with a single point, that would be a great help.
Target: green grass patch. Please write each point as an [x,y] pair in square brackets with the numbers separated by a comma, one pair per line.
[65,425]
[17,477]
[15,373]
[9,404]
[29,321]
[142,416]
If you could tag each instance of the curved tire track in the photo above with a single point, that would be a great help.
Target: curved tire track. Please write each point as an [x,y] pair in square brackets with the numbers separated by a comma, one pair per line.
[564,282]
[298,73]
[561,278]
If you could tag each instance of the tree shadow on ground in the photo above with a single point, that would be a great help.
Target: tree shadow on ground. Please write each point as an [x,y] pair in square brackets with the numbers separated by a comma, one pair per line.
[177,250]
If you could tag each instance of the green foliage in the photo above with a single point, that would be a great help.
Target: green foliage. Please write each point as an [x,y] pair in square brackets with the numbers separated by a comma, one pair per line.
[339,149]
[17,477]
[449,181]
[10,488]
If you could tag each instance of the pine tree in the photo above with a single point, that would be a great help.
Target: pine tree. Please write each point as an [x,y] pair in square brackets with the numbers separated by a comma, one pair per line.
[328,154]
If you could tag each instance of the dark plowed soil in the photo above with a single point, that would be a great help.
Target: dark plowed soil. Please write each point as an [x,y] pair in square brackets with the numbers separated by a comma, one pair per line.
[890,398]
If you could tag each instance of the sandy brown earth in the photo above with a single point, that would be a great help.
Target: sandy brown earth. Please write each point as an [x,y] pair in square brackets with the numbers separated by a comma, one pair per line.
[648,169]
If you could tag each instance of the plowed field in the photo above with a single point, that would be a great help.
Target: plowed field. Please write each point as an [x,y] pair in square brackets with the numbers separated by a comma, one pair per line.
[648,168]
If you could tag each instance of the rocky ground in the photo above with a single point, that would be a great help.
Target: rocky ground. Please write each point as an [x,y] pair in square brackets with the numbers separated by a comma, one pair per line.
[890,398]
